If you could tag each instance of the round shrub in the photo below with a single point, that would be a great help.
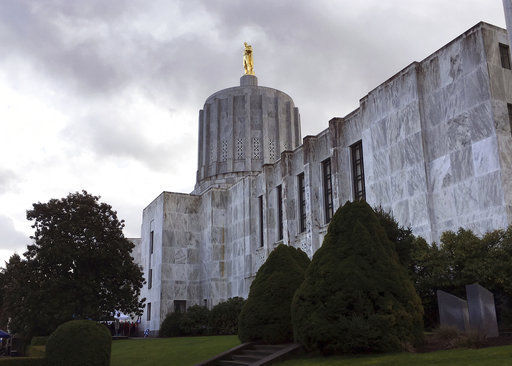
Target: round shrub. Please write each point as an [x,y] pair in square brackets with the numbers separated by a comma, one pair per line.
[194,321]
[79,343]
[171,325]
[356,297]
[223,317]
[265,316]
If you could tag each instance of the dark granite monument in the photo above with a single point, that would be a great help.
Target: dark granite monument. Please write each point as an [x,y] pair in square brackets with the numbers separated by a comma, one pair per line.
[453,311]
[482,312]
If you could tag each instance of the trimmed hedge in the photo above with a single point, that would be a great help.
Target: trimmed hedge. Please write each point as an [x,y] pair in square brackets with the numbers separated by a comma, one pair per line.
[23,361]
[79,343]
[265,316]
[223,319]
[170,327]
[356,296]
[194,321]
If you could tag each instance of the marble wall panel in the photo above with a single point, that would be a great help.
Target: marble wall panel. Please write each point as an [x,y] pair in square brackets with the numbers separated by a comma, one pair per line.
[490,193]
[480,120]
[440,173]
[461,162]
[485,156]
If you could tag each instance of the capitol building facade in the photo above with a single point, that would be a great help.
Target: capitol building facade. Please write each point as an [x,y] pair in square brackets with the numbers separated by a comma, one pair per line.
[432,144]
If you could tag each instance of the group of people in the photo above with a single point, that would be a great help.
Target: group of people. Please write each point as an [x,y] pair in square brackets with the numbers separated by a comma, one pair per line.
[123,328]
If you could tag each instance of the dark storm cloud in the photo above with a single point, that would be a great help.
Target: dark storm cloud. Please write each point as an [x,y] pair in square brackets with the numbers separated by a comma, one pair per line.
[326,55]
[10,238]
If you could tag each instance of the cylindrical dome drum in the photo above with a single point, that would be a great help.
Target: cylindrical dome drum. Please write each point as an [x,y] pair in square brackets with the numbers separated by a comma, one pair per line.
[242,128]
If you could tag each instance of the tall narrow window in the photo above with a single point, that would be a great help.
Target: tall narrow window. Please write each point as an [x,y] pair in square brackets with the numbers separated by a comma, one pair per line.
[505,56]
[151,236]
[327,180]
[149,312]
[280,212]
[302,203]
[358,171]
[150,278]
[260,204]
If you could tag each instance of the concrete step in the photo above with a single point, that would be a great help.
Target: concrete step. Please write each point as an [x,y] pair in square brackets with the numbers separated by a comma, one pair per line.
[254,353]
[246,358]
[270,346]
[232,363]
[249,354]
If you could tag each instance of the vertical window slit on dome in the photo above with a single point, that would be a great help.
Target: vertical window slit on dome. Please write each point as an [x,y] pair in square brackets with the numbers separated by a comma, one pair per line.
[256,148]
[224,154]
[271,150]
[240,149]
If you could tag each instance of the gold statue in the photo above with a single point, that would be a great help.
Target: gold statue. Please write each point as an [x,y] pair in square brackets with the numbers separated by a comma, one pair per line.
[248,62]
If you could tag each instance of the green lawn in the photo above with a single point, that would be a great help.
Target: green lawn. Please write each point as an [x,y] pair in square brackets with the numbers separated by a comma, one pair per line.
[494,356]
[187,351]
[181,351]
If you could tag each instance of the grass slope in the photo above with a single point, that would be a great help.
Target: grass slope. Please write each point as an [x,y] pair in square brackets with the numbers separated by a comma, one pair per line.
[181,351]
[493,356]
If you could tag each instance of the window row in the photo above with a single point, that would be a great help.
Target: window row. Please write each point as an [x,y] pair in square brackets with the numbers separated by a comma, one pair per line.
[356,152]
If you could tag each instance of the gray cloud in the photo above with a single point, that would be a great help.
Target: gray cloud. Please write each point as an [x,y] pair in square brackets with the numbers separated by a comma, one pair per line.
[121,139]
[10,238]
[325,54]
[7,178]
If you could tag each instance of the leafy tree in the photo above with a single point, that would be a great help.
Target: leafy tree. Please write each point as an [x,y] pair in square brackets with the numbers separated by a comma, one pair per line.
[78,267]
[420,260]
[401,237]
[266,314]
[463,258]
[356,296]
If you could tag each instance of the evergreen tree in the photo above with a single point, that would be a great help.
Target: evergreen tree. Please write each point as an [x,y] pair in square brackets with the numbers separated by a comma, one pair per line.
[265,316]
[356,296]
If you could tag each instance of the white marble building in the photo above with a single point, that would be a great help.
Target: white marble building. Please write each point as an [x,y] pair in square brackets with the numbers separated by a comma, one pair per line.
[433,144]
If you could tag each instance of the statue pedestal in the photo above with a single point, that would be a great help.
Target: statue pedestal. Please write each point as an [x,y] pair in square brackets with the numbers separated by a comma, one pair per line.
[249,80]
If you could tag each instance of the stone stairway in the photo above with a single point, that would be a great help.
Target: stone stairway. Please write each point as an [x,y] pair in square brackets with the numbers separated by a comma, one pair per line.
[250,354]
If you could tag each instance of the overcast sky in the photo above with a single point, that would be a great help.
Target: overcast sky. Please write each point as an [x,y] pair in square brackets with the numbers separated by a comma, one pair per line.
[104,95]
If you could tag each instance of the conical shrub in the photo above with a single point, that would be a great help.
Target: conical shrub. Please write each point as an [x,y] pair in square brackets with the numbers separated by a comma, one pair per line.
[356,297]
[265,316]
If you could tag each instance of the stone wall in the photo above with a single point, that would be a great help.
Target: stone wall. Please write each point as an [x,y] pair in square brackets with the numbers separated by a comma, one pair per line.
[152,220]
